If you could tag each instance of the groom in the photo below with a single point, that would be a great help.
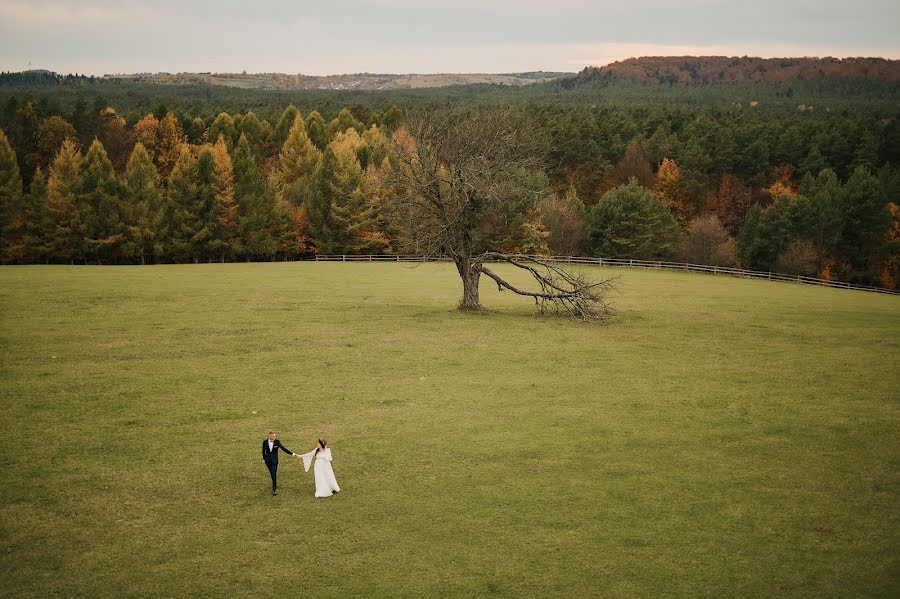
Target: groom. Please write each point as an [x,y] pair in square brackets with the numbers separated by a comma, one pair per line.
[270,449]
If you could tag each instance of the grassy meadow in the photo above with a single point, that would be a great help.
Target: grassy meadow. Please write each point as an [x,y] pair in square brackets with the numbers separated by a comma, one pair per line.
[717,438]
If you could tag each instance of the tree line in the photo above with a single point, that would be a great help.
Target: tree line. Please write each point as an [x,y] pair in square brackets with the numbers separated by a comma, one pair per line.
[794,191]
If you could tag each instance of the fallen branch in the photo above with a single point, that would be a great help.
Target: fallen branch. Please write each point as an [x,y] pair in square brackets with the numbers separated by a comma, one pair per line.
[560,292]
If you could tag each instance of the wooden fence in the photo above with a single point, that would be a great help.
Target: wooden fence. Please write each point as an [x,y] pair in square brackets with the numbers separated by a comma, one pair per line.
[628,263]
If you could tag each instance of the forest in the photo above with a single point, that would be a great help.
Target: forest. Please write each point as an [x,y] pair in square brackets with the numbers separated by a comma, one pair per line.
[798,175]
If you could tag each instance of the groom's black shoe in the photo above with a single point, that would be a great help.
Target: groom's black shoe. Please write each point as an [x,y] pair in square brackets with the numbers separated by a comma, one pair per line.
[274,492]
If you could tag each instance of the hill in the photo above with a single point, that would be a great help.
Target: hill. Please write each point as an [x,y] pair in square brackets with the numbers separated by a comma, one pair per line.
[713,440]
[723,70]
[293,82]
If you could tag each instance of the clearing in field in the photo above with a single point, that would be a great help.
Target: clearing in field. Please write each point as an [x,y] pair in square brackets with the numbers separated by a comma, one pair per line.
[718,437]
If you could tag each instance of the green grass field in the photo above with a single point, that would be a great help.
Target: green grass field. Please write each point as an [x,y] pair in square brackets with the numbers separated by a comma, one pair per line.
[718,438]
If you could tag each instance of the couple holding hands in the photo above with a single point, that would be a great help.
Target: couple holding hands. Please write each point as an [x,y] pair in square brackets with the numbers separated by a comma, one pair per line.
[326,484]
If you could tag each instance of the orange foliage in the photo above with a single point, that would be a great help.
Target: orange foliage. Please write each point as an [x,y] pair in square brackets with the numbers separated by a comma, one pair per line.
[782,185]
[666,189]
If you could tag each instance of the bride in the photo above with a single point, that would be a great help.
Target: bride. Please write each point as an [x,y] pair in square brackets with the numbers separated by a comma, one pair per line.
[325,481]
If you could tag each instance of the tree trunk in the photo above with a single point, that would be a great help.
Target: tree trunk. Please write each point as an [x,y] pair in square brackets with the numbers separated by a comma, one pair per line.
[470,272]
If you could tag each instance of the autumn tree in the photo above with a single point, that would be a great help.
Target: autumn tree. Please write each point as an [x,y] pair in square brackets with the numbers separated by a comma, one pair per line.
[668,189]
[223,190]
[115,138]
[51,134]
[634,164]
[170,139]
[706,241]
[731,202]
[564,219]
[343,220]
[146,132]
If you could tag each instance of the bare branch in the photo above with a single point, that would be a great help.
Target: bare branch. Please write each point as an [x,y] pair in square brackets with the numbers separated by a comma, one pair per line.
[560,292]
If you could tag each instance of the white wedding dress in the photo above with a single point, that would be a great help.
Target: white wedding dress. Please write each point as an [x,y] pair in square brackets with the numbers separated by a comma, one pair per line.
[326,484]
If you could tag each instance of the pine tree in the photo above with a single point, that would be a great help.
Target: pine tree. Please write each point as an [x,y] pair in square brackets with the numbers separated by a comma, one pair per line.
[222,126]
[65,242]
[285,123]
[299,164]
[103,219]
[223,190]
[866,220]
[27,237]
[181,201]
[52,132]
[144,206]
[256,207]
[346,222]
[316,129]
[168,146]
[10,188]
[146,132]
[206,241]
[342,122]
[630,222]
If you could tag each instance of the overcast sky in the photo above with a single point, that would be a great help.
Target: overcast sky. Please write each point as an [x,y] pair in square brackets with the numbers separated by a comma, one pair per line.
[425,36]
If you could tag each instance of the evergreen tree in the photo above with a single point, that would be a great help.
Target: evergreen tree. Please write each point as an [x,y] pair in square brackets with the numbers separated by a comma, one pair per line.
[299,164]
[765,234]
[145,207]
[285,122]
[182,199]
[256,206]
[222,126]
[27,233]
[347,221]
[316,129]
[630,222]
[52,132]
[65,242]
[866,219]
[10,188]
[223,190]
[103,219]
[206,242]
[342,122]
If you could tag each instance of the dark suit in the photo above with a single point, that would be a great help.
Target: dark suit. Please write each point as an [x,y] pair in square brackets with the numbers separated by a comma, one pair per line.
[271,459]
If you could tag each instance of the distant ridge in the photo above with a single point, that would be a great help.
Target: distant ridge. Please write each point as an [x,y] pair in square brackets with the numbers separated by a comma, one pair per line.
[724,70]
[352,81]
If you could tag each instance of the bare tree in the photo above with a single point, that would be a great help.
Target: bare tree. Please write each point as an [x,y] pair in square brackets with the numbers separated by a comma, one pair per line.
[463,185]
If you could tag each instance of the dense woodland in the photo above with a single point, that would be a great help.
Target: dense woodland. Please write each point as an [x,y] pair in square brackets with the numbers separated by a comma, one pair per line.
[797,176]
